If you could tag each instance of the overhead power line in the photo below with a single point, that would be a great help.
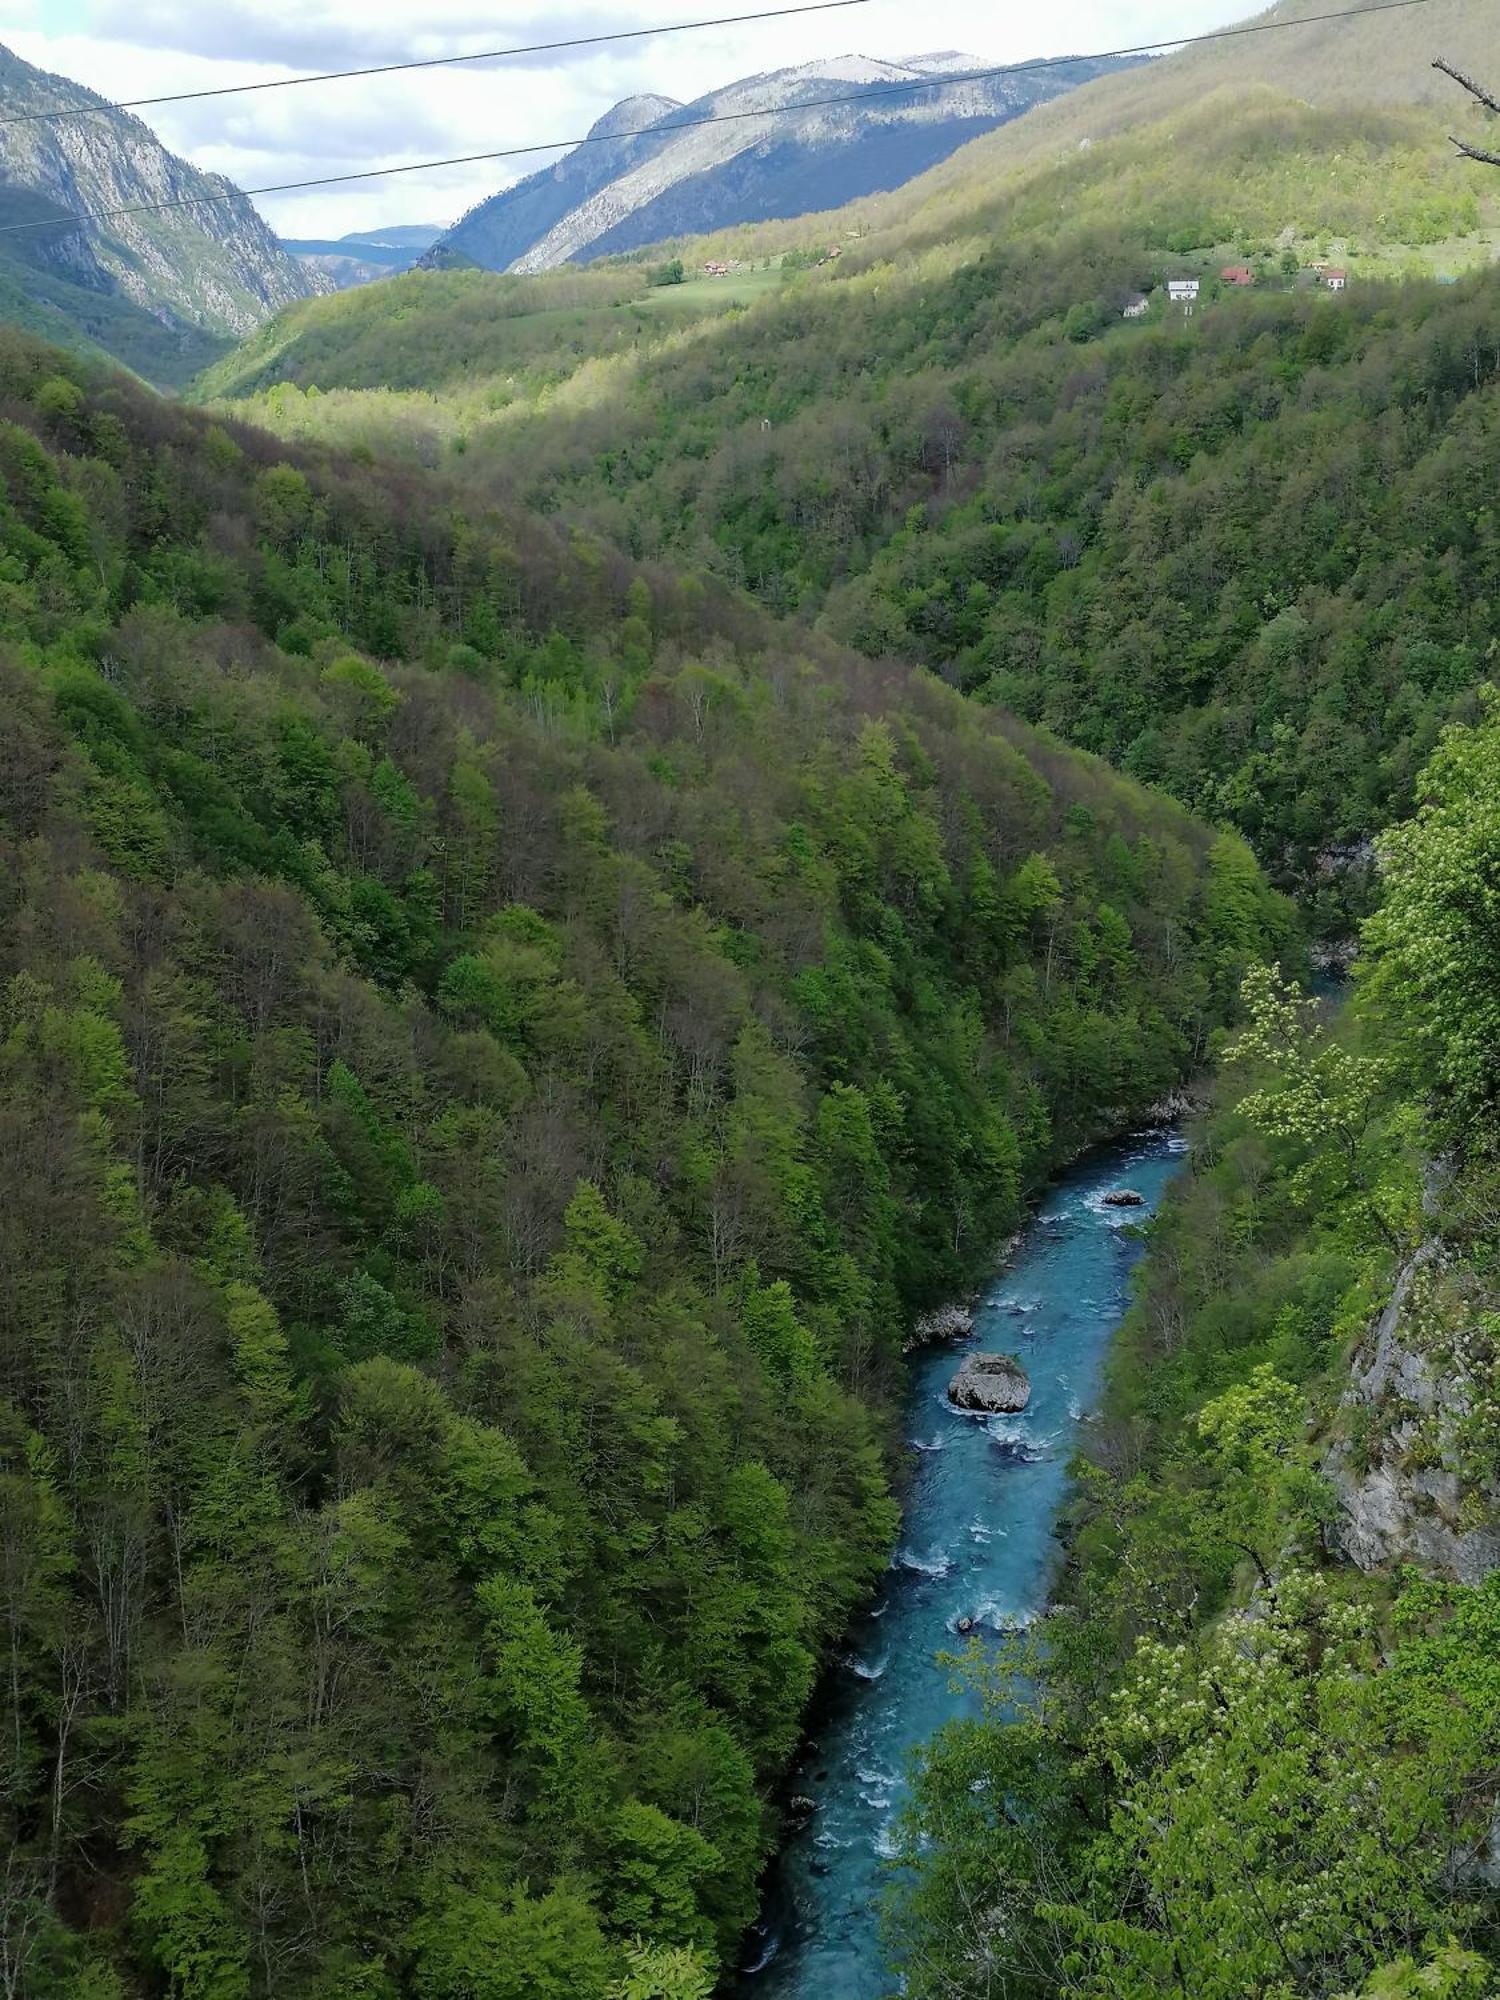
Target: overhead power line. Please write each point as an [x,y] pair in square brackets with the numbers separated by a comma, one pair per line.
[718,118]
[427,62]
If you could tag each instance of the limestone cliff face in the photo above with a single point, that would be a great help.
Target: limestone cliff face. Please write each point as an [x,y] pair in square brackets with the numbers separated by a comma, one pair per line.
[653,169]
[1401,1459]
[209,262]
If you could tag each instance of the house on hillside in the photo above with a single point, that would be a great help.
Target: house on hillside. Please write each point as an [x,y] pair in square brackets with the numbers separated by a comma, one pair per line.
[716,270]
[1237,274]
[1136,306]
[1335,279]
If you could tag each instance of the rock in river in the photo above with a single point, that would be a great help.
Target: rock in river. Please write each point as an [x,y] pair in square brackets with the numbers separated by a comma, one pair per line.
[954,1322]
[1124,1198]
[990,1382]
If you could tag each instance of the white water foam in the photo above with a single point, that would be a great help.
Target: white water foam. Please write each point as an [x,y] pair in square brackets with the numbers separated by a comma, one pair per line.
[1000,1617]
[1018,1441]
[936,1562]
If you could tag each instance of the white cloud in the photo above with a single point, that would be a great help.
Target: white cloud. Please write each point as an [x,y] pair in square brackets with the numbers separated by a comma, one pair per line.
[138,48]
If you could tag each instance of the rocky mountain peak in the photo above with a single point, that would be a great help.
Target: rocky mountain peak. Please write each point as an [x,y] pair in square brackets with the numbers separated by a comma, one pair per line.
[631,114]
[716,164]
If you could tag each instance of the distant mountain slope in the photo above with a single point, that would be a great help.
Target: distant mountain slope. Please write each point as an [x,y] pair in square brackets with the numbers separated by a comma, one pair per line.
[1368,55]
[681,176]
[159,290]
[500,231]
[364,254]
[92,319]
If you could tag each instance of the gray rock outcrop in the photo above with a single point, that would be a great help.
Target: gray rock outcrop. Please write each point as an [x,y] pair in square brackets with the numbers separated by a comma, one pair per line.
[1393,1461]
[995,1382]
[950,1322]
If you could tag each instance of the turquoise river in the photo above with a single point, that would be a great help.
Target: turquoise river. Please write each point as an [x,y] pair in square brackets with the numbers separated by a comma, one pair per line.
[978,1543]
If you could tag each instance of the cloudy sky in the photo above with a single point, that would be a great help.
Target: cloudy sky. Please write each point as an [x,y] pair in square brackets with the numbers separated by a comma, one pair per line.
[139,48]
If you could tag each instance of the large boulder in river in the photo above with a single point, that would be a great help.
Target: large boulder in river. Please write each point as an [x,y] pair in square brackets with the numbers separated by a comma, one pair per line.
[1124,1198]
[990,1382]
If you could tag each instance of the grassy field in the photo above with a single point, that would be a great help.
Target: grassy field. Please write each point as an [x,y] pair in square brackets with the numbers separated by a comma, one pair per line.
[700,295]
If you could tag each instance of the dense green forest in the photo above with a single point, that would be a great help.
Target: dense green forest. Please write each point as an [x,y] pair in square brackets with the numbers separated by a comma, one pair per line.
[497,1046]
[1251,1767]
[559,893]
[1238,554]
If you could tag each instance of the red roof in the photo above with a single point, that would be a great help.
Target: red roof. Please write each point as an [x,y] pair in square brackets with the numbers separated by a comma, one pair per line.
[1237,274]
[1334,272]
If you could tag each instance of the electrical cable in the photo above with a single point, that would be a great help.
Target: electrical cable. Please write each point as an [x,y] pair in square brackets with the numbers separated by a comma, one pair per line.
[720,118]
[427,62]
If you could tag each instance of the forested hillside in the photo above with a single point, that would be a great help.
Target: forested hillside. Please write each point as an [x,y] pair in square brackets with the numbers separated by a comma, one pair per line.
[554,906]
[497,1046]
[1238,554]
[1265,1756]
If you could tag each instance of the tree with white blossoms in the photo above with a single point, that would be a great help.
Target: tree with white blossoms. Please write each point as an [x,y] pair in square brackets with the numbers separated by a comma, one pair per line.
[662,1972]
[1435,941]
[1256,1844]
[1322,1096]
[1277,1807]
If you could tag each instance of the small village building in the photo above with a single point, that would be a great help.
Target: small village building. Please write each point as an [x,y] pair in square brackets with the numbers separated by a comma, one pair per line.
[715,270]
[1335,279]
[1136,306]
[1237,274]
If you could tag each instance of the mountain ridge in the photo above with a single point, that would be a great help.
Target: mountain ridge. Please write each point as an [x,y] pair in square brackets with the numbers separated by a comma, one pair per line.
[714,162]
[360,256]
[200,261]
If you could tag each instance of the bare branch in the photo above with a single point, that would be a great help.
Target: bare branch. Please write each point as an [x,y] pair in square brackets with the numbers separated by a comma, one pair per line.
[1476,90]
[1476,153]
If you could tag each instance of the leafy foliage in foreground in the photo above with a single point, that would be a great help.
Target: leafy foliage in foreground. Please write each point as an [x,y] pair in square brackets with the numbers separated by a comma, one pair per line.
[1251,1770]
[494,1048]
